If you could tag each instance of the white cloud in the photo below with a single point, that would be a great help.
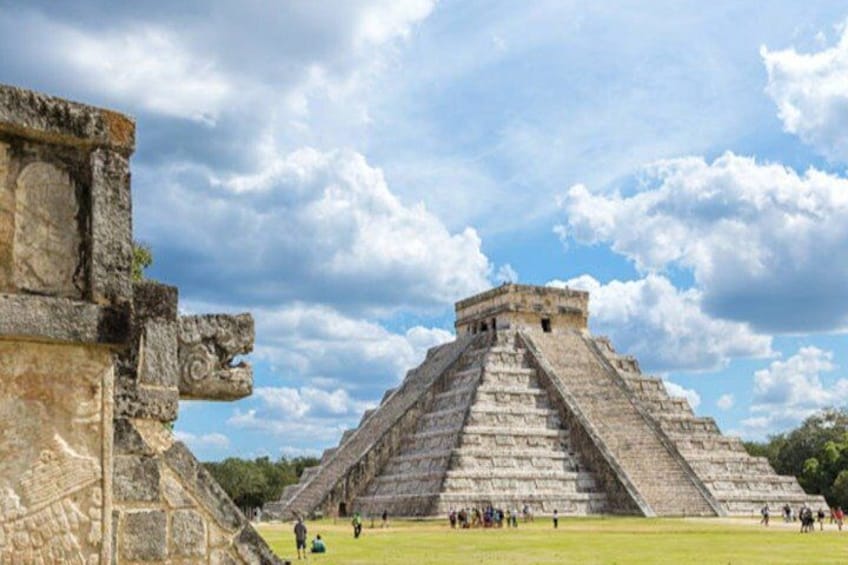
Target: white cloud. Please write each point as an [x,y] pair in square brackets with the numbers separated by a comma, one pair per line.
[765,245]
[309,401]
[789,391]
[223,59]
[676,390]
[315,341]
[811,93]
[316,226]
[384,20]
[725,401]
[315,431]
[665,328]
[292,451]
[506,274]
[203,441]
[148,68]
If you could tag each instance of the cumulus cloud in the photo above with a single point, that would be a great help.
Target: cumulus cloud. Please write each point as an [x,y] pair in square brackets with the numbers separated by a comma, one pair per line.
[676,390]
[309,400]
[506,274]
[665,328]
[197,61]
[151,69]
[310,413]
[313,226]
[203,441]
[725,401]
[316,341]
[811,94]
[788,391]
[765,245]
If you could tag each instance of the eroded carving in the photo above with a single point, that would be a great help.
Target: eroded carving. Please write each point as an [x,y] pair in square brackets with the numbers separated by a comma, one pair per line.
[207,346]
[51,449]
[7,220]
[47,240]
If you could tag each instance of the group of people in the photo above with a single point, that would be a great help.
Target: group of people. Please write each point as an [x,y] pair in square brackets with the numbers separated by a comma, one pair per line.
[300,531]
[318,545]
[806,516]
[491,517]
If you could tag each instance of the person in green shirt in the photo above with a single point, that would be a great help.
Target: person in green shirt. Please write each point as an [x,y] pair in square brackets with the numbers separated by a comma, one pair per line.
[318,545]
[357,525]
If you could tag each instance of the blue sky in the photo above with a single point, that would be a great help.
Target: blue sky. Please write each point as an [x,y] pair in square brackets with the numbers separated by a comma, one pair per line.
[347,170]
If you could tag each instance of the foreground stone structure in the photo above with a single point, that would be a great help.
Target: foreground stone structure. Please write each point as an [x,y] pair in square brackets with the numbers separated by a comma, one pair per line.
[526,407]
[92,367]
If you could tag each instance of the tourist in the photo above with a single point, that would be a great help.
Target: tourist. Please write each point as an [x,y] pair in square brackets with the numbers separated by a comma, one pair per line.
[839,517]
[300,537]
[805,514]
[787,513]
[357,524]
[318,545]
[515,518]
[385,523]
[452,518]
[764,511]
[820,516]
[556,519]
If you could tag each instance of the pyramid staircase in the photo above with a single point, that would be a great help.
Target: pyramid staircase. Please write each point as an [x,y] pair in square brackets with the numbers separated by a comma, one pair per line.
[652,471]
[740,482]
[491,437]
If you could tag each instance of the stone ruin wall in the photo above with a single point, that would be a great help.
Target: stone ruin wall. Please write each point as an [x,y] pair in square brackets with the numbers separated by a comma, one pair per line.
[92,367]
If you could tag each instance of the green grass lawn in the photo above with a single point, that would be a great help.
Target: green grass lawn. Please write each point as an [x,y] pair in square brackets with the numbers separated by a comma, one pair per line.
[578,540]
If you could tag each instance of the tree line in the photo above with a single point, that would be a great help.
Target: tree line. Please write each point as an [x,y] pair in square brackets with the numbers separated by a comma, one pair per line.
[253,483]
[816,452]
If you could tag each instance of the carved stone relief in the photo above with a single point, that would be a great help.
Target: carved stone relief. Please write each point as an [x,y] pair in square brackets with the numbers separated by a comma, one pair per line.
[7,220]
[207,346]
[47,239]
[54,421]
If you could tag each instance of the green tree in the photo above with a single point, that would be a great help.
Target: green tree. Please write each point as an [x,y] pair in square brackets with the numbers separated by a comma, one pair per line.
[142,259]
[839,492]
[816,452]
[251,484]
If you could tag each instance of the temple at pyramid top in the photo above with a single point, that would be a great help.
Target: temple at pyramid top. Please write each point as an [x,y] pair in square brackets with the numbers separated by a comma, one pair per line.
[520,306]
[526,409]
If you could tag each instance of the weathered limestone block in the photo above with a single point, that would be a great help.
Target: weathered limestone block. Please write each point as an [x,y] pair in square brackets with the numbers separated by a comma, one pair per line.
[188,534]
[55,439]
[47,237]
[136,479]
[144,536]
[57,121]
[208,345]
[62,320]
[146,384]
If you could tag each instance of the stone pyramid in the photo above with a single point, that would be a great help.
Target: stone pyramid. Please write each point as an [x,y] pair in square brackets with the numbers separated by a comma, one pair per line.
[526,407]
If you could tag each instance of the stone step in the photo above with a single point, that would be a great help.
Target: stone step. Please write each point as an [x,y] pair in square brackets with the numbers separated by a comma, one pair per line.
[659,475]
[528,380]
[509,416]
[440,419]
[514,431]
[459,397]
[508,458]
[532,438]
[507,485]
